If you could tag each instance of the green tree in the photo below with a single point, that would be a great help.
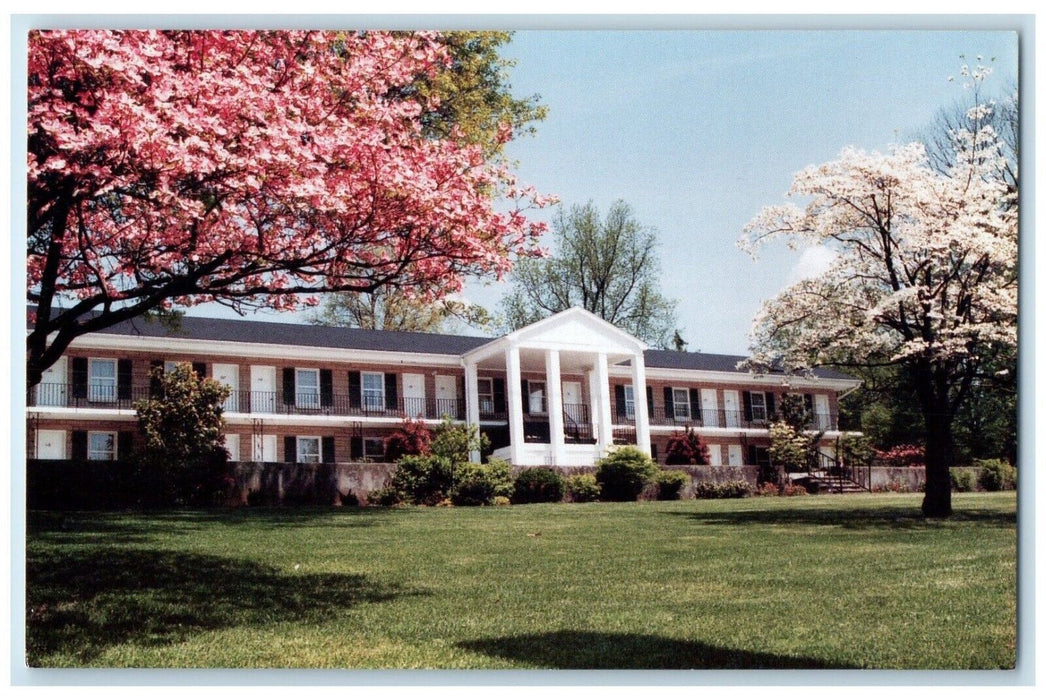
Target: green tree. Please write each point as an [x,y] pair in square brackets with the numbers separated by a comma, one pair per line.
[608,266]
[183,433]
[390,309]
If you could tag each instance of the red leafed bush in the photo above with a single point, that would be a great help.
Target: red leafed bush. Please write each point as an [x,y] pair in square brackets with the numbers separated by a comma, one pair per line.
[902,456]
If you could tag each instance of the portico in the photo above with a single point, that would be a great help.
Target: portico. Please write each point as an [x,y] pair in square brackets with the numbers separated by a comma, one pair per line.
[551,367]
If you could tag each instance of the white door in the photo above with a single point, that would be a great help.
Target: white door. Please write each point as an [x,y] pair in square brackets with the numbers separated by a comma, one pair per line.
[263,389]
[264,448]
[50,444]
[572,405]
[709,408]
[733,455]
[731,409]
[447,395]
[715,455]
[232,444]
[414,395]
[822,419]
[51,391]
[229,375]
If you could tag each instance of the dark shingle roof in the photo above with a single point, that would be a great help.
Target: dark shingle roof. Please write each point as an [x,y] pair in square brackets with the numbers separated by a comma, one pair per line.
[267,332]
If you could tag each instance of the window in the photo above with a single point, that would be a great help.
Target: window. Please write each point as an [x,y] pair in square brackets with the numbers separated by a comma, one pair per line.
[101,380]
[374,448]
[373,384]
[681,404]
[758,406]
[307,388]
[101,447]
[630,403]
[486,395]
[308,449]
[537,397]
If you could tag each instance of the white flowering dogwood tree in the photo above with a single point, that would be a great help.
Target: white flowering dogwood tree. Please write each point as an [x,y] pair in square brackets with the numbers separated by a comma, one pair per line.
[924,276]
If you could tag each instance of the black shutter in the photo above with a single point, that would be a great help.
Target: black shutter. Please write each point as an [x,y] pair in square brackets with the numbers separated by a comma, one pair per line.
[753,454]
[200,368]
[653,452]
[79,444]
[746,397]
[80,383]
[124,445]
[290,449]
[695,404]
[124,377]
[391,395]
[525,385]
[769,406]
[649,402]
[326,387]
[328,449]
[288,386]
[356,448]
[355,388]
[808,402]
[499,394]
[619,401]
[670,406]
[155,380]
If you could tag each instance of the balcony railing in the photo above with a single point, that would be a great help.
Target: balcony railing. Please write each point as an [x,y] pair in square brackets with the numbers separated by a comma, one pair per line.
[718,418]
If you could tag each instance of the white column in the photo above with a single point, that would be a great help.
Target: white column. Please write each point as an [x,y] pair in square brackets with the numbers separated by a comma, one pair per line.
[555,406]
[639,393]
[472,403]
[515,404]
[601,406]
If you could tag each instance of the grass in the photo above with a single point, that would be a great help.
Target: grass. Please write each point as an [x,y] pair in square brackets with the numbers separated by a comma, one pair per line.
[814,582]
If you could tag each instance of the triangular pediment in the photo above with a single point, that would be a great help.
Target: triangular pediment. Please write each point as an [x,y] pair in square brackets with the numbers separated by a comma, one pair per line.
[577,329]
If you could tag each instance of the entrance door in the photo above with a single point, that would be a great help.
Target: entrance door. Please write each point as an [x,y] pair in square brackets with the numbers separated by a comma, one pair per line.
[573,407]
[822,419]
[50,444]
[229,375]
[232,444]
[730,407]
[414,395]
[709,408]
[263,389]
[51,391]
[447,395]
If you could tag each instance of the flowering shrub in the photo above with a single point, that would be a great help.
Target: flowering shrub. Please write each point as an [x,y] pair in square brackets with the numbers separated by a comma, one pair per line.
[793,490]
[902,456]
[768,489]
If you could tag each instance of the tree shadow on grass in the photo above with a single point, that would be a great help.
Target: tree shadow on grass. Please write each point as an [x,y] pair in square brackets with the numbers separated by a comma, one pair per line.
[575,649]
[859,518]
[82,602]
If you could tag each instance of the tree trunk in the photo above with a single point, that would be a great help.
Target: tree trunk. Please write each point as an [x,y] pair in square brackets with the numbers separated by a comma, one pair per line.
[937,503]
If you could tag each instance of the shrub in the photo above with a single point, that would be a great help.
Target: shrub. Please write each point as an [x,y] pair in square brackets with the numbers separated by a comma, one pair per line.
[996,475]
[480,484]
[387,496]
[726,489]
[793,490]
[538,485]
[624,473]
[501,501]
[455,441]
[902,456]
[412,438]
[423,480]
[686,448]
[583,488]
[962,479]
[670,483]
[768,489]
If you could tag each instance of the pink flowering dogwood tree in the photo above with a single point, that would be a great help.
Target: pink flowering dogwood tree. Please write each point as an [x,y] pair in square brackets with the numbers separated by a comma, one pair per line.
[248,168]
[924,275]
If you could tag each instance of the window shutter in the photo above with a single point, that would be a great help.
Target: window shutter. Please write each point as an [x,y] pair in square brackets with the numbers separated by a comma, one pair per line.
[79,444]
[695,404]
[290,449]
[653,452]
[670,406]
[356,448]
[355,389]
[498,385]
[326,387]
[327,447]
[200,368]
[288,386]
[620,404]
[753,456]
[649,401]
[769,406]
[123,379]
[391,395]
[124,445]
[526,395]
[155,382]
[808,402]
[746,397]
[80,382]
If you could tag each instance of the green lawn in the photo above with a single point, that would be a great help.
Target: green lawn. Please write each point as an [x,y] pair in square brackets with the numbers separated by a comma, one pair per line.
[812,582]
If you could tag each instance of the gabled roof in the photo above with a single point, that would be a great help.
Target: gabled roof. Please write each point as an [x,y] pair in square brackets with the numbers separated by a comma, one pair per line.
[707,362]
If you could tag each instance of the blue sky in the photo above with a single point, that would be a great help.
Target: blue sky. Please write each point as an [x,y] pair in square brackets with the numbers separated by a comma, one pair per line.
[698,130]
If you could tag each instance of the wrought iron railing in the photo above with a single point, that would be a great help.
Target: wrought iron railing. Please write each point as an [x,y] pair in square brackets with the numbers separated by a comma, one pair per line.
[717,418]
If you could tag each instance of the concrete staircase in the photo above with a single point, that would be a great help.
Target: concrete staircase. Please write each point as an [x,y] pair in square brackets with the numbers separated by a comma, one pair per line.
[825,482]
